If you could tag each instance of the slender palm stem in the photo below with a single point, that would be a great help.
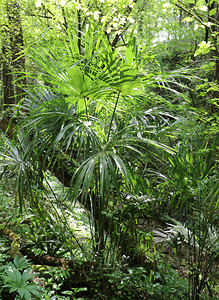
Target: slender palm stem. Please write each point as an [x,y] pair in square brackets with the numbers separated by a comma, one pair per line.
[85,103]
[114,111]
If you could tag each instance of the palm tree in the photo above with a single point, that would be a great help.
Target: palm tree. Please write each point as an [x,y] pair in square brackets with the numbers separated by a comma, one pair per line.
[79,113]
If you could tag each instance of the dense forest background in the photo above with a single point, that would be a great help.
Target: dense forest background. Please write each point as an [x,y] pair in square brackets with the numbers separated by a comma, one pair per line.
[109,149]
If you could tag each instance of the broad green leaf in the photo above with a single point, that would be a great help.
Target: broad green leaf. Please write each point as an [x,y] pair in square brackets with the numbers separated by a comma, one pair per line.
[187,19]
[212,11]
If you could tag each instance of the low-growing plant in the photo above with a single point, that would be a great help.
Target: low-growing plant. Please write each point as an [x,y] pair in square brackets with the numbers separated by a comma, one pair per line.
[160,283]
[56,277]
[16,279]
[45,235]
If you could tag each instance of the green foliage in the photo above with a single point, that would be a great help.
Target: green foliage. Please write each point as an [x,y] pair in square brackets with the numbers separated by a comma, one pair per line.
[194,179]
[107,118]
[198,239]
[87,99]
[56,232]
[46,236]
[16,277]
[192,172]
[55,277]
[16,160]
[139,283]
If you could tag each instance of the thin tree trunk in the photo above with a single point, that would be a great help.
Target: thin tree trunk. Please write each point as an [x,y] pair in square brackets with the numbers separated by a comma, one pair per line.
[16,45]
[215,29]
[7,76]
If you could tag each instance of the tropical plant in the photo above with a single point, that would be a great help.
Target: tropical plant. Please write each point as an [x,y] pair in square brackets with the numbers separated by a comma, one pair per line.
[16,160]
[82,122]
[16,277]
[193,189]
[162,282]
[192,168]
[86,99]
[99,112]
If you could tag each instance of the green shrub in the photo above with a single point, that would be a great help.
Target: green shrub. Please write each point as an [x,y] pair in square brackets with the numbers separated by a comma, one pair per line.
[16,279]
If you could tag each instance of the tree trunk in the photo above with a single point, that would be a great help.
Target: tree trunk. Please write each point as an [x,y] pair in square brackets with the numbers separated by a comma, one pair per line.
[7,76]
[215,29]
[13,62]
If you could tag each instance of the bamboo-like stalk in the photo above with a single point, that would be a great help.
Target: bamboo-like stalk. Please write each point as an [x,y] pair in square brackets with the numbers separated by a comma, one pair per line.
[114,111]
